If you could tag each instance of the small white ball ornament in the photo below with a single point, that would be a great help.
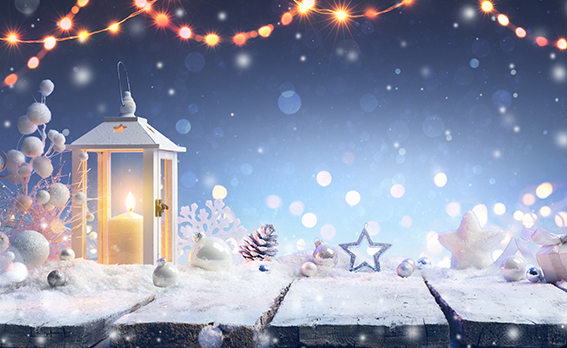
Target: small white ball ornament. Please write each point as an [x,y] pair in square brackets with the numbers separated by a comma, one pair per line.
[210,253]
[42,166]
[90,217]
[309,269]
[165,274]
[23,202]
[412,263]
[32,146]
[25,126]
[59,194]
[405,269]
[67,254]
[59,148]
[83,156]
[51,134]
[32,249]
[79,198]
[25,170]
[42,196]
[513,268]
[59,139]
[10,256]
[46,87]
[39,113]
[15,158]
[325,255]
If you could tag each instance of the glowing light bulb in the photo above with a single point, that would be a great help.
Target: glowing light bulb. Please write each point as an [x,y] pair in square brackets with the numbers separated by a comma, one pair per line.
[13,38]
[82,3]
[562,44]
[520,32]
[239,39]
[541,41]
[487,6]
[113,28]
[161,19]
[306,5]
[83,36]
[503,20]
[185,32]
[11,79]
[65,23]
[49,43]
[212,39]
[33,62]
[286,18]
[341,15]
[265,31]
[141,3]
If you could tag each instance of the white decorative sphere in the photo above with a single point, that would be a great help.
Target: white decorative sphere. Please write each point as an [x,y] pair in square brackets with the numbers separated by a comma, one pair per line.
[32,249]
[90,217]
[83,156]
[309,269]
[25,126]
[325,255]
[10,256]
[165,274]
[211,253]
[15,179]
[25,170]
[405,269]
[67,254]
[42,166]
[18,273]
[46,87]
[59,148]
[79,197]
[39,113]
[14,159]
[32,146]
[48,206]
[42,196]
[4,242]
[513,268]
[59,139]
[52,133]
[23,202]
[59,194]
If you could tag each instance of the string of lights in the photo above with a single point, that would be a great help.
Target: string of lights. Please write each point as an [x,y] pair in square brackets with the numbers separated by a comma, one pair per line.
[340,15]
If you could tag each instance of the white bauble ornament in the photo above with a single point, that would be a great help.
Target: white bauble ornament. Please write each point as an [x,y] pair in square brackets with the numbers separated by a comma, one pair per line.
[405,269]
[513,268]
[59,139]
[67,254]
[325,255]
[412,263]
[83,156]
[59,194]
[25,126]
[79,198]
[23,202]
[10,256]
[165,274]
[56,279]
[90,217]
[309,269]
[32,146]
[25,170]
[210,253]
[32,249]
[59,148]
[14,160]
[17,273]
[46,87]
[51,134]
[42,166]
[42,196]
[39,113]
[4,242]
[15,179]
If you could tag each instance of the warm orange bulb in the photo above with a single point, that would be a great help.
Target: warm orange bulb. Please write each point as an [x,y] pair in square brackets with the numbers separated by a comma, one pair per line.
[113,27]
[562,44]
[407,2]
[49,43]
[33,62]
[239,39]
[286,18]
[503,20]
[161,19]
[11,79]
[520,32]
[541,41]
[82,3]
[141,3]
[341,15]
[83,35]
[75,9]
[65,23]
[185,32]
[487,6]
[370,13]
[212,39]
[265,31]
[306,5]
[12,38]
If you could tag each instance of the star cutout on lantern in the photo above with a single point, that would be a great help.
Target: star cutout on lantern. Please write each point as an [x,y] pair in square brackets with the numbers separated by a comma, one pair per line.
[364,234]
[119,128]
[471,244]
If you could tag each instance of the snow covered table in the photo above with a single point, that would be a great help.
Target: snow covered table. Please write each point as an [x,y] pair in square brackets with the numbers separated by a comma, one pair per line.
[206,307]
[490,312]
[362,309]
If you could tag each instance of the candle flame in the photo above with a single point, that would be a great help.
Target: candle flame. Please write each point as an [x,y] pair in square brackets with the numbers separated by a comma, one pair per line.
[130,202]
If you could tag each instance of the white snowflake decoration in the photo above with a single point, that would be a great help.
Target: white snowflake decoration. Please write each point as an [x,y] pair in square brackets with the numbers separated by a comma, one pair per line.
[219,222]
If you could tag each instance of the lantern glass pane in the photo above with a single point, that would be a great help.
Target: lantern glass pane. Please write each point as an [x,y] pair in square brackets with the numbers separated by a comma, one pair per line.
[166,228]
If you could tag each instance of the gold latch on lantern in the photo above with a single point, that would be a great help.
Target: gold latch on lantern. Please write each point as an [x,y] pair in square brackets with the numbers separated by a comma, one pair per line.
[160,207]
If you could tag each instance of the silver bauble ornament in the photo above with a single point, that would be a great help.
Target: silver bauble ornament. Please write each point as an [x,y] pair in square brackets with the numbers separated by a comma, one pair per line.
[423,262]
[264,268]
[67,254]
[309,269]
[534,275]
[405,269]
[56,278]
[325,255]
[412,263]
[165,274]
[513,268]
[210,253]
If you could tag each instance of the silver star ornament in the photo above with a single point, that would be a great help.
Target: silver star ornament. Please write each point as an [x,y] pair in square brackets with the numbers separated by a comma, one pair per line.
[365,265]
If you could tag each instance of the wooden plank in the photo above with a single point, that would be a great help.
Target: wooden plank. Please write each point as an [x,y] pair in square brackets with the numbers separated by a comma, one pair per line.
[52,319]
[485,312]
[239,302]
[362,310]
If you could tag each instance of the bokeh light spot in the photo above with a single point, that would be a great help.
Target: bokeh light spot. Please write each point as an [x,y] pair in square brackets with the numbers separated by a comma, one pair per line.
[544,190]
[352,198]
[561,219]
[33,62]
[529,220]
[11,79]
[300,244]
[397,191]
[407,221]
[324,178]
[286,18]
[541,41]
[185,32]
[518,215]
[49,43]
[309,220]
[372,227]
[528,199]
[545,211]
[440,179]
[520,32]
[273,201]
[499,209]
[453,209]
[183,126]
[239,39]
[328,231]
[503,20]
[219,192]
[289,102]
[296,208]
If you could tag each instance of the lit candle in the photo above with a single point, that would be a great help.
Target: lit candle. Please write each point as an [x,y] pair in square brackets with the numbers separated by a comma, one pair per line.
[125,236]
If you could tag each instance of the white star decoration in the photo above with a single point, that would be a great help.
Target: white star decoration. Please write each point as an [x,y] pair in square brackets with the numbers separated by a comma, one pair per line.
[471,244]
[364,234]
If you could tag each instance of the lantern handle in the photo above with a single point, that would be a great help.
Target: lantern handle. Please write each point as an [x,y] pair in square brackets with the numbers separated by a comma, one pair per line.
[120,82]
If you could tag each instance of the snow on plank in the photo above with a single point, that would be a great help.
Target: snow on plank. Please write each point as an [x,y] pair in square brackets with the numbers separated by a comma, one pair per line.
[489,312]
[234,305]
[370,310]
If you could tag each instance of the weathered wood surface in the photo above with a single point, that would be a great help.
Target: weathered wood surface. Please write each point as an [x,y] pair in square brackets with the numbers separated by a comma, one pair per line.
[239,303]
[372,310]
[63,321]
[503,314]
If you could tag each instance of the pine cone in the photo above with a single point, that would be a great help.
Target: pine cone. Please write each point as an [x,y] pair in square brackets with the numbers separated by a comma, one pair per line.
[260,245]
